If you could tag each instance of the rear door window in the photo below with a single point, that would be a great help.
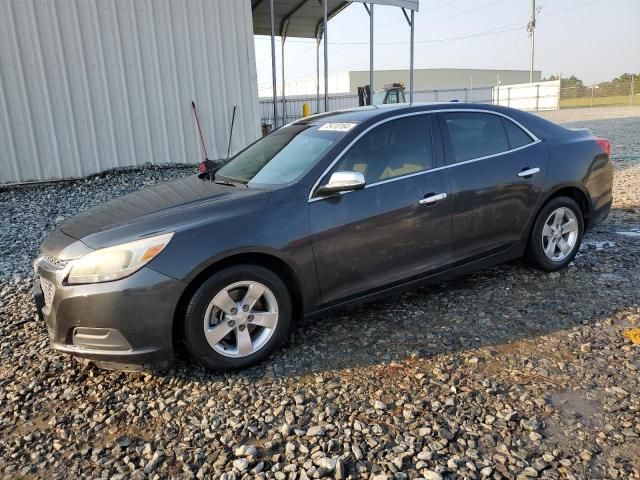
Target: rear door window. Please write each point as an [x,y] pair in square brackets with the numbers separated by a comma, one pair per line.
[475,135]
[517,137]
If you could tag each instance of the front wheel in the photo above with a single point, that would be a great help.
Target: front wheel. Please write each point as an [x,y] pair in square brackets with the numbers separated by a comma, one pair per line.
[556,235]
[237,317]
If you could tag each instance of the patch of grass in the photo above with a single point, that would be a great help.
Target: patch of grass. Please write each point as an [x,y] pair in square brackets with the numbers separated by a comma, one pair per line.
[598,101]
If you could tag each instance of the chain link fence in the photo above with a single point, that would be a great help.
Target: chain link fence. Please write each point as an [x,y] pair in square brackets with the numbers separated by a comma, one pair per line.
[339,101]
[546,95]
[617,92]
[536,96]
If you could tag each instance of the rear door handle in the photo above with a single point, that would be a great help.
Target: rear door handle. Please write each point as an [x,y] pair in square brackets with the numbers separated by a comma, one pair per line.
[432,198]
[529,172]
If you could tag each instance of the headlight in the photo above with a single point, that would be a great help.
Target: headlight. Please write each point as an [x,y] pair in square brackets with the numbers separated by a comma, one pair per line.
[117,262]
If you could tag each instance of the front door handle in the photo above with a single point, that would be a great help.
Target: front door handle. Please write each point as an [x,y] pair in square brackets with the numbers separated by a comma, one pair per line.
[528,172]
[432,198]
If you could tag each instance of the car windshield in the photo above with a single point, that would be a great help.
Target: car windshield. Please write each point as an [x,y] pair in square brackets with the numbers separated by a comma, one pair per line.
[280,157]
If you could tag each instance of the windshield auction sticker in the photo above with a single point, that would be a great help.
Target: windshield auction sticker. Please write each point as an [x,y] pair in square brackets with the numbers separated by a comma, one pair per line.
[337,127]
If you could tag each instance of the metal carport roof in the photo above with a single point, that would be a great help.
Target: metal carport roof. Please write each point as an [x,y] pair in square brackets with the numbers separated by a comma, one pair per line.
[308,19]
[294,18]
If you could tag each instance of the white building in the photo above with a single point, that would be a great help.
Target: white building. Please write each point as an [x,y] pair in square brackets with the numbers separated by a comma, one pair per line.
[424,78]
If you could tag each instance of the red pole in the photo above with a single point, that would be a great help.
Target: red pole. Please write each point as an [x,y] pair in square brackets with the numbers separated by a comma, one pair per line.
[195,113]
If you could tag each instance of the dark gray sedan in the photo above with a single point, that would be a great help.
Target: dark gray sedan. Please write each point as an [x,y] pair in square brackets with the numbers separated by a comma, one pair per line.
[328,210]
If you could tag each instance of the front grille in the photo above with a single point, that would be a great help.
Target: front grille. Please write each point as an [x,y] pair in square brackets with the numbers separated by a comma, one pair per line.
[55,261]
[48,289]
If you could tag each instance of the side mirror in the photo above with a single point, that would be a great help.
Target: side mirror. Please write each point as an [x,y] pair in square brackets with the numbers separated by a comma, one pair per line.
[342,182]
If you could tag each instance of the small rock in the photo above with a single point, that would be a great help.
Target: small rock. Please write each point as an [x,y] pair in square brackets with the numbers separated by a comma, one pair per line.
[357,453]
[535,436]
[154,462]
[325,465]
[245,451]
[339,473]
[379,405]
[431,475]
[315,431]
[486,472]
[241,464]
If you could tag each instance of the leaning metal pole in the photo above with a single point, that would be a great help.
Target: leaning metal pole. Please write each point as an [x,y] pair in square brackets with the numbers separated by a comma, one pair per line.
[411,60]
[273,65]
[326,55]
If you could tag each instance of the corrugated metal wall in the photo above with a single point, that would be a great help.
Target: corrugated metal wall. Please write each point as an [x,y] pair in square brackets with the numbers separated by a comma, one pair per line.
[88,85]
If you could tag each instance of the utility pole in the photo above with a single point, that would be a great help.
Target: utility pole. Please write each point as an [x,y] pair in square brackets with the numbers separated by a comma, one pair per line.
[531,28]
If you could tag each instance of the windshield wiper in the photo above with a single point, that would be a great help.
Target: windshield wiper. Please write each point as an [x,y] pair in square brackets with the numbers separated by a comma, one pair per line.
[224,182]
[228,181]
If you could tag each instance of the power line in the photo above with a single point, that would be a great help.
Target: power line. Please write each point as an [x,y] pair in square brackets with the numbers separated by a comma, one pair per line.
[570,8]
[440,40]
[460,14]
[437,42]
[379,27]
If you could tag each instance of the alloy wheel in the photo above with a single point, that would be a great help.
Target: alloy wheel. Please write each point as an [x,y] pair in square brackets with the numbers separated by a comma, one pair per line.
[240,319]
[560,234]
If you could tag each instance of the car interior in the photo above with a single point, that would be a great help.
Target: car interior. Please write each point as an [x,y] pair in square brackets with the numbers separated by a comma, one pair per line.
[391,150]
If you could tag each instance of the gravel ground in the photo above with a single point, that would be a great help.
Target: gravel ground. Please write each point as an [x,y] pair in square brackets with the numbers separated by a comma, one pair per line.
[506,373]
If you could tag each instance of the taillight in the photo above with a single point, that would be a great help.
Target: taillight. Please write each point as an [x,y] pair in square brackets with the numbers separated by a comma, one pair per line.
[605,145]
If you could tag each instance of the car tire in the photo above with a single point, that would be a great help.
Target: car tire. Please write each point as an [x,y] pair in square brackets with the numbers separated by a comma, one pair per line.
[541,252]
[205,321]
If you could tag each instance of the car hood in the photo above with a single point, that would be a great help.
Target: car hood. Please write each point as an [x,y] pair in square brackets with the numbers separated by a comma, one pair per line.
[171,206]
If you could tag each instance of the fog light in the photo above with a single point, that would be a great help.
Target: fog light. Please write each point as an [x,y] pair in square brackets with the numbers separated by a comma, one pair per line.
[99,339]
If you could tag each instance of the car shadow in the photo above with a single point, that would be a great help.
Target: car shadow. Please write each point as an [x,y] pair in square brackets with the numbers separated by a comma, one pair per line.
[498,306]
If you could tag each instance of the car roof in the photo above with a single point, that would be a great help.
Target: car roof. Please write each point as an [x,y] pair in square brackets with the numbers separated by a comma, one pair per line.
[373,113]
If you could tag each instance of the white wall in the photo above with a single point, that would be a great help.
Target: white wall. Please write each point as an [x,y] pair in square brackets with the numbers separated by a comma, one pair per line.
[529,96]
[338,82]
[89,85]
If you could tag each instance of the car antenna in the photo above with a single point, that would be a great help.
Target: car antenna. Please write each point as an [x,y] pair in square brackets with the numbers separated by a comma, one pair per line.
[233,118]
[206,167]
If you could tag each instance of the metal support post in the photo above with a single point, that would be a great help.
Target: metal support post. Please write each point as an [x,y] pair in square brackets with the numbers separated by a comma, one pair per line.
[273,65]
[284,100]
[317,75]
[371,48]
[411,62]
[326,54]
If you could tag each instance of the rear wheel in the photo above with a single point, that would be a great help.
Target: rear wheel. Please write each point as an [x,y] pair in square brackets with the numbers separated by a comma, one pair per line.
[237,317]
[556,235]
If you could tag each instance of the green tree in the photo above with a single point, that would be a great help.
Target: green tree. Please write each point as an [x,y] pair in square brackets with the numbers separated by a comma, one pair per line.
[570,87]
[620,85]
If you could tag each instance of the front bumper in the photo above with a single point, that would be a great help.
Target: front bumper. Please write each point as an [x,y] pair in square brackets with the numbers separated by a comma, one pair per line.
[122,323]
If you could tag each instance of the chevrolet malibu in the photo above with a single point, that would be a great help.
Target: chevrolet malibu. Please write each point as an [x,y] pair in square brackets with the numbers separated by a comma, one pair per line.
[329,210]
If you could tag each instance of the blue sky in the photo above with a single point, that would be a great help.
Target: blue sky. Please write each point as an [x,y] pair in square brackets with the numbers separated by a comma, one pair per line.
[595,40]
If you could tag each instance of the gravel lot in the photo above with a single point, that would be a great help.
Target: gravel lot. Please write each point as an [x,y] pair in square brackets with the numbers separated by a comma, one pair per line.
[507,373]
